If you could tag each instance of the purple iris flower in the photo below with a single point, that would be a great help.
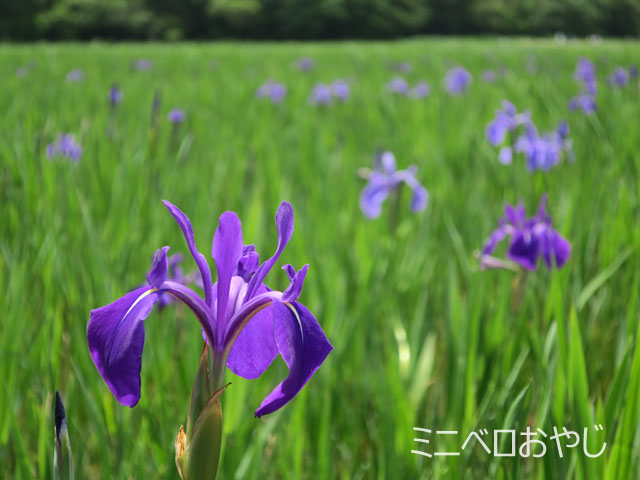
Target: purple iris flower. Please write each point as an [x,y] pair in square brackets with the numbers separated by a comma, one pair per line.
[507,120]
[633,71]
[398,85]
[320,95]
[584,102]
[384,180]
[585,71]
[420,90]
[529,240]
[143,65]
[340,90]
[245,323]
[619,77]
[545,151]
[457,80]
[489,76]
[176,116]
[75,75]
[272,90]
[65,146]
[114,95]
[402,67]
[305,64]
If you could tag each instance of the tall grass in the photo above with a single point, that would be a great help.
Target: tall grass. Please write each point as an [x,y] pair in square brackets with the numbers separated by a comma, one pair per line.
[422,337]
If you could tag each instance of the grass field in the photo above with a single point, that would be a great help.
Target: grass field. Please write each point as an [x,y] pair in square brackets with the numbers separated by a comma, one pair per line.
[422,336]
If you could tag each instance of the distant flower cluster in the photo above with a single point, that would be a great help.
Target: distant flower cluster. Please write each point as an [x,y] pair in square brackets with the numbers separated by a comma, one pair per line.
[541,151]
[323,94]
[114,95]
[457,80]
[384,180]
[530,239]
[176,116]
[65,146]
[272,90]
[305,64]
[400,86]
[585,101]
[75,75]
[619,77]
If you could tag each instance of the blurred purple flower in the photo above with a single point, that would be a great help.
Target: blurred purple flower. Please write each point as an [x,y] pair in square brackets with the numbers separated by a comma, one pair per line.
[402,67]
[320,95]
[507,120]
[529,240]
[144,64]
[619,77]
[340,90]
[65,146]
[114,95]
[398,85]
[305,64]
[585,71]
[489,76]
[384,179]
[542,152]
[633,71]
[176,116]
[584,102]
[272,90]
[457,80]
[420,90]
[245,323]
[75,75]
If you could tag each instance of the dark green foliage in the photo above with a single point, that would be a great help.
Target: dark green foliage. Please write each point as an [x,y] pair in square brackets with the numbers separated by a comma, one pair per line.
[310,19]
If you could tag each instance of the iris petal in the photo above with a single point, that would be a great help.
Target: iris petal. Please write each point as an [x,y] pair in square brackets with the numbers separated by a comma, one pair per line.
[159,269]
[303,346]
[373,195]
[284,226]
[201,261]
[115,334]
[226,251]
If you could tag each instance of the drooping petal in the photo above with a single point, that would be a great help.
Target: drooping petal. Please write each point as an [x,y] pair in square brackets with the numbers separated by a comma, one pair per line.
[226,251]
[201,261]
[159,269]
[525,249]
[255,348]
[297,280]
[373,195]
[555,246]
[495,238]
[303,346]
[284,226]
[115,334]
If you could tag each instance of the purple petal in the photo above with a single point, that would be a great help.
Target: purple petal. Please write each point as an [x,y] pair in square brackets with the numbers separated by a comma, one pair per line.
[201,261]
[159,269]
[303,346]
[255,348]
[373,195]
[525,249]
[297,280]
[494,239]
[226,251]
[505,157]
[115,334]
[248,263]
[557,247]
[284,226]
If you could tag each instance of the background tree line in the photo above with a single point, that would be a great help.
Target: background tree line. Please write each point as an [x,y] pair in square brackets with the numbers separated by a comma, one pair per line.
[309,19]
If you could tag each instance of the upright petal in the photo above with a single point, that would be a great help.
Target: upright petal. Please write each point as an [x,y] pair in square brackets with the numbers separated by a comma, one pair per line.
[303,346]
[201,261]
[284,225]
[297,280]
[226,251]
[159,269]
[115,334]
[255,348]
